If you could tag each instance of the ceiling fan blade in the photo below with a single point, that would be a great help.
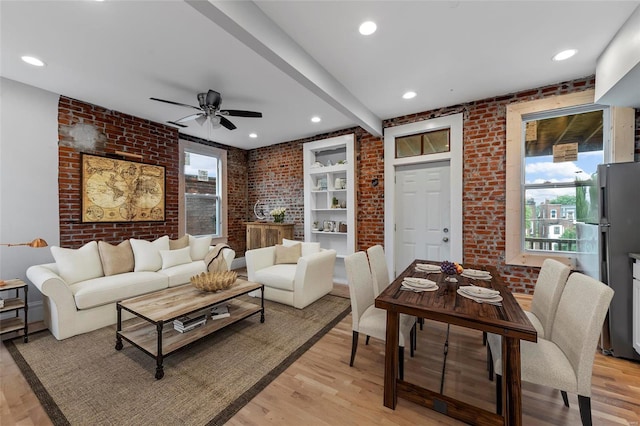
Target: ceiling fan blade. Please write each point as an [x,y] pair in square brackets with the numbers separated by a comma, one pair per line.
[226,123]
[241,113]
[213,99]
[176,124]
[189,117]
[174,103]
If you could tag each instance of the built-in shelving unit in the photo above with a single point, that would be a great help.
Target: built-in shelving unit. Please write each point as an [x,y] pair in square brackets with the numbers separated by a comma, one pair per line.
[329,197]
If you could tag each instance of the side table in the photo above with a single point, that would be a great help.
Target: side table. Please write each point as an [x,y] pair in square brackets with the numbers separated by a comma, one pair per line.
[15,304]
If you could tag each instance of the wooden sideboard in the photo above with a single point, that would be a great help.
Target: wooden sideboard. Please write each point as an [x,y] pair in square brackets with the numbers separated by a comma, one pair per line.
[265,234]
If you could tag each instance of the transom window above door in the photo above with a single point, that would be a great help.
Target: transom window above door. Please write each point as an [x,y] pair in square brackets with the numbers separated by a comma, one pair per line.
[430,142]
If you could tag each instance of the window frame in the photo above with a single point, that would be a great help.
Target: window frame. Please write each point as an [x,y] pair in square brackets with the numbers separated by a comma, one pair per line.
[621,149]
[221,155]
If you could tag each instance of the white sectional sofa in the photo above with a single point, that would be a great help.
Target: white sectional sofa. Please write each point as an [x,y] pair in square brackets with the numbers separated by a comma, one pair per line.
[296,279]
[81,288]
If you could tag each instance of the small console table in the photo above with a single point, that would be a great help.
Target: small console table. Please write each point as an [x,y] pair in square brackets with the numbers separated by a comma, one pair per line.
[15,304]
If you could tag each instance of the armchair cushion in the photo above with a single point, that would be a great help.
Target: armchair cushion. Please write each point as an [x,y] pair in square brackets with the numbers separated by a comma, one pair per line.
[288,254]
[277,276]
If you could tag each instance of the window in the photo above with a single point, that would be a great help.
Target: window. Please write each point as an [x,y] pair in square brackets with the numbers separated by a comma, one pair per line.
[550,170]
[430,142]
[203,188]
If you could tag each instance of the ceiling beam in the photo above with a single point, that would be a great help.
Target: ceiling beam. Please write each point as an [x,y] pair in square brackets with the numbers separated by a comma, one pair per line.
[250,25]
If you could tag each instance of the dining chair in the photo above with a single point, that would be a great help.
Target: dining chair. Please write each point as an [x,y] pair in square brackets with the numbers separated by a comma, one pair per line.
[564,360]
[546,296]
[368,319]
[378,265]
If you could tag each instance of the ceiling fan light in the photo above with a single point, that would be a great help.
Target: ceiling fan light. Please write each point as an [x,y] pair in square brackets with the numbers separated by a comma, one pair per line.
[201,119]
[215,121]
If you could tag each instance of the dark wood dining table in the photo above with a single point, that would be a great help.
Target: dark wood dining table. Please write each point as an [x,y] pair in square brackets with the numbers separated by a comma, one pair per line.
[447,306]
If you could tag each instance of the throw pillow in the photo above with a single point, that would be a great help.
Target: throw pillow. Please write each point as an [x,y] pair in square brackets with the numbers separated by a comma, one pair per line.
[116,259]
[307,248]
[289,254]
[75,265]
[199,247]
[147,253]
[175,257]
[181,242]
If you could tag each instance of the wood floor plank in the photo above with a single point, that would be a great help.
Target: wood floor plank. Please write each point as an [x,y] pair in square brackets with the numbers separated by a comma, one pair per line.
[321,389]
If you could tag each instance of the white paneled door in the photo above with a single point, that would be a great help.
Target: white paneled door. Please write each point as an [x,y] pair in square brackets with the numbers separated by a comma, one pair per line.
[423,208]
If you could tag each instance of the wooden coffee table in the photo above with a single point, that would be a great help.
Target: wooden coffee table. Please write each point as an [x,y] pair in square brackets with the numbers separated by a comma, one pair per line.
[164,306]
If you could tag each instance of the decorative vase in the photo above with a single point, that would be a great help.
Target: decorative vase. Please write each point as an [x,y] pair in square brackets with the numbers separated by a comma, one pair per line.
[278,218]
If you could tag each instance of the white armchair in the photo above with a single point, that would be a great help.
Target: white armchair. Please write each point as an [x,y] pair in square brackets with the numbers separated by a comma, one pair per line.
[295,284]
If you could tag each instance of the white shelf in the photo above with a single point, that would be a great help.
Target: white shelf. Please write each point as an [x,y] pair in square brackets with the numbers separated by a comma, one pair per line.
[318,202]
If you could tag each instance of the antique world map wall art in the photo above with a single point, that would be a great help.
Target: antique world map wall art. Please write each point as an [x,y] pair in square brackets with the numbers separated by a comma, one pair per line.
[121,191]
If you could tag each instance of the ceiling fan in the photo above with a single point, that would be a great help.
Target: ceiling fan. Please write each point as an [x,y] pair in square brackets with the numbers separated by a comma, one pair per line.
[210,110]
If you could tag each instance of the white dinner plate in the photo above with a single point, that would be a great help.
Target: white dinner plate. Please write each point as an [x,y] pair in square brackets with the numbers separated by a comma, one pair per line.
[477,273]
[493,299]
[427,267]
[420,281]
[480,292]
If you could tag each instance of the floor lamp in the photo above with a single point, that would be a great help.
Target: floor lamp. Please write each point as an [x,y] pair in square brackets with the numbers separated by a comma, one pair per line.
[37,243]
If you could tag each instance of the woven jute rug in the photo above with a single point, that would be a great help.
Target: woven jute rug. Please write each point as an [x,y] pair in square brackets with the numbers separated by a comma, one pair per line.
[84,380]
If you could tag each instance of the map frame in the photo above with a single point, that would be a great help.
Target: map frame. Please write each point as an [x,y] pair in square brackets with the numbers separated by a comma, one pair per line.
[117,190]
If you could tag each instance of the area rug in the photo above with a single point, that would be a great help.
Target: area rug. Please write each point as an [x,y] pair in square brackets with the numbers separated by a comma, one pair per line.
[84,380]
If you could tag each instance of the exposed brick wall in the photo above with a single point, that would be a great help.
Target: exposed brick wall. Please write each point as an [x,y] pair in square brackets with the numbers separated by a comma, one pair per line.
[484,184]
[110,131]
[276,179]
[92,129]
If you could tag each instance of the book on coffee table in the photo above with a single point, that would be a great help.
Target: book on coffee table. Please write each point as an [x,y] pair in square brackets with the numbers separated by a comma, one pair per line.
[220,311]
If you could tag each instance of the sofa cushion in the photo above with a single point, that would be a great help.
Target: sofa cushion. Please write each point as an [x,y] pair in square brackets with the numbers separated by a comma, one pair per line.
[103,290]
[181,242]
[289,254]
[147,253]
[199,247]
[277,276]
[175,257]
[116,259]
[307,248]
[76,265]
[181,274]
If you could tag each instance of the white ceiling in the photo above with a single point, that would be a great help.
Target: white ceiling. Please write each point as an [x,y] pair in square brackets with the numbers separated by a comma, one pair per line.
[292,60]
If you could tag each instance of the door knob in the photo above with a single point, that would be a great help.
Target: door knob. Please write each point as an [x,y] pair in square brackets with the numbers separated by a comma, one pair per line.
[445,230]
[445,239]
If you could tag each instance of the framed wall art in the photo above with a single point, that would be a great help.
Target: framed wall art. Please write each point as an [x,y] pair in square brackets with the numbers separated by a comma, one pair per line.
[116,190]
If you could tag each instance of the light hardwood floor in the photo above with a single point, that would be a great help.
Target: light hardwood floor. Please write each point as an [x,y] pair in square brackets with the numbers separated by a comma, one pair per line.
[321,389]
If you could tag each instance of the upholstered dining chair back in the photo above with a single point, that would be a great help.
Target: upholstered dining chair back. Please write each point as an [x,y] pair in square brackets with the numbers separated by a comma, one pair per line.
[360,285]
[578,324]
[378,263]
[546,296]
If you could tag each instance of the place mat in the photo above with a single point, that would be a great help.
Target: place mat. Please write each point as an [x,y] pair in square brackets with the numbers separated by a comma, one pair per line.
[84,380]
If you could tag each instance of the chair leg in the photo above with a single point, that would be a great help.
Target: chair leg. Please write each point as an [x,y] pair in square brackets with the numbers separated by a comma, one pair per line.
[412,335]
[484,338]
[415,337]
[366,342]
[490,363]
[498,394]
[354,347]
[421,322]
[565,398]
[584,402]
[401,362]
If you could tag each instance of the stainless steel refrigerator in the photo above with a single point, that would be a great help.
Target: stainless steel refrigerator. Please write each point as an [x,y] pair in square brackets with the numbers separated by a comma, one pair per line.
[619,235]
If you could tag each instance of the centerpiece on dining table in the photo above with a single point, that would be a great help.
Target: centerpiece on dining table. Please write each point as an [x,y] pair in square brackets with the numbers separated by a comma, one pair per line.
[450,269]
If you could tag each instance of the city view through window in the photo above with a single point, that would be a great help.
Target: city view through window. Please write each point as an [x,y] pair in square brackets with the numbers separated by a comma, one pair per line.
[560,192]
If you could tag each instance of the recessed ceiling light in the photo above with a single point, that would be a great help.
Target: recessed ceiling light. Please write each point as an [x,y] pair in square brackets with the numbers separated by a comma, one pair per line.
[409,95]
[565,54]
[368,28]
[253,135]
[31,60]
[316,119]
